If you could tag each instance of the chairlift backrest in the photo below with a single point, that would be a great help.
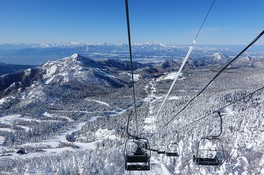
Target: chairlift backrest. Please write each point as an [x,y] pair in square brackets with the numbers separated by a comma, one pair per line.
[139,159]
[172,149]
[210,156]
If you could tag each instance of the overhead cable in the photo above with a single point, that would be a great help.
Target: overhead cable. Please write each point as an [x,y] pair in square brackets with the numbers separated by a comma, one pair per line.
[185,59]
[210,82]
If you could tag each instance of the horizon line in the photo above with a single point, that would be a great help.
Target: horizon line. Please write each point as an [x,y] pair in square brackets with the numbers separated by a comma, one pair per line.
[72,43]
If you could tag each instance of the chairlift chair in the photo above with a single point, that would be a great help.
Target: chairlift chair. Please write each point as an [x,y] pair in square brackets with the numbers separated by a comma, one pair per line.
[137,154]
[210,152]
[172,149]
[210,155]
[161,150]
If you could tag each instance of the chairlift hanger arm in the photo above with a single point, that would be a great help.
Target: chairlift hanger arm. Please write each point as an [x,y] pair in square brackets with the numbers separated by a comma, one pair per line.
[221,124]
[127,128]
[131,68]
[221,127]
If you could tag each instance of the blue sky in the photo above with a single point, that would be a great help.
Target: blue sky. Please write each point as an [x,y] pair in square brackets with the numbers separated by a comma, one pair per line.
[100,21]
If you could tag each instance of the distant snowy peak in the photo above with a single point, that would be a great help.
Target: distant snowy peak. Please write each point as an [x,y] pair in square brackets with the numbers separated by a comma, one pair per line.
[78,69]
[246,58]
[191,63]
[72,71]
[220,56]
[245,61]
[149,47]
[170,64]
[104,63]
[79,58]
[75,56]
[150,44]
[73,60]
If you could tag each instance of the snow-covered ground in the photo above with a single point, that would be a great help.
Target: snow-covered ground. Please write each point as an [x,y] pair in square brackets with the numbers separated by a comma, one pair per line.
[9,119]
[150,125]
[174,98]
[48,115]
[100,130]
[56,140]
[97,101]
[1,140]
[104,133]
[2,100]
[136,76]
[6,129]
[170,76]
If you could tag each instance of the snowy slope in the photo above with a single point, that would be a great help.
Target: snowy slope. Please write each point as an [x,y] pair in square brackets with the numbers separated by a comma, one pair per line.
[220,56]
[72,69]
[59,104]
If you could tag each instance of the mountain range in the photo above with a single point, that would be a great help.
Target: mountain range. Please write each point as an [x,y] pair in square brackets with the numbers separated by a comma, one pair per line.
[104,71]
[37,54]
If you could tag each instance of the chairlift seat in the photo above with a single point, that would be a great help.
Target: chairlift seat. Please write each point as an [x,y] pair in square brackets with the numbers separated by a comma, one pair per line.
[137,158]
[137,162]
[137,167]
[161,152]
[172,154]
[207,161]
